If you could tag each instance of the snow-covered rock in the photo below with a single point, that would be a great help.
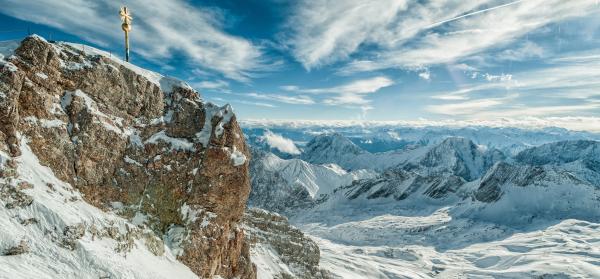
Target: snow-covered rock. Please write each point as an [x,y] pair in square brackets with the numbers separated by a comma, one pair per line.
[280,250]
[65,237]
[129,138]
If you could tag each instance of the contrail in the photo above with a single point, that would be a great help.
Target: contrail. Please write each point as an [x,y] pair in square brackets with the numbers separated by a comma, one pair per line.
[473,13]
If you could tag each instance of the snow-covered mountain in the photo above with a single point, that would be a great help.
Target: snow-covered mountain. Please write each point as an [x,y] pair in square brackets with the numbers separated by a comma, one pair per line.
[382,137]
[453,208]
[339,150]
[285,185]
[561,152]
[435,171]
[459,156]
[332,148]
[109,170]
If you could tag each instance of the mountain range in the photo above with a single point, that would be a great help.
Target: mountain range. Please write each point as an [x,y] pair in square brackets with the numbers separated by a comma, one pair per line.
[429,193]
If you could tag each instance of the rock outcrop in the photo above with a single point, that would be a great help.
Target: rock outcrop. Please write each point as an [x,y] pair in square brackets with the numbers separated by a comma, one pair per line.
[132,140]
[290,253]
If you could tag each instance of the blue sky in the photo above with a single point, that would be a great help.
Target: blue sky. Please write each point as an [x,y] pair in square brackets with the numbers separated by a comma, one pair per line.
[352,59]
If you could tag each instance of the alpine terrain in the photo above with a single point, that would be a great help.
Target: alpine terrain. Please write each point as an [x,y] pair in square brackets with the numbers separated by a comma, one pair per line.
[437,202]
[111,171]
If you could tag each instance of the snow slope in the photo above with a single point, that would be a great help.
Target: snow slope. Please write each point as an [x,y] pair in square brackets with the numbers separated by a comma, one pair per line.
[568,249]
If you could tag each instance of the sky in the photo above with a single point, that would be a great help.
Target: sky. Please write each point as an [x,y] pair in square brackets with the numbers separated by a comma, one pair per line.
[380,60]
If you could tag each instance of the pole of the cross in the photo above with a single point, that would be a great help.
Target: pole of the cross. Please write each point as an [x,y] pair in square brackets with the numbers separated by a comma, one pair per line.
[126,26]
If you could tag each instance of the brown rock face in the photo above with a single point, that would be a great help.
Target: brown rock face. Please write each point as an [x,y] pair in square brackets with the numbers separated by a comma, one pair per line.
[294,249]
[121,134]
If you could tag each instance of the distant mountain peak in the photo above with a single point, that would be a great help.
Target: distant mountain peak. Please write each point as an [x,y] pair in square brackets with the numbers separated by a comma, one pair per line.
[561,152]
[327,148]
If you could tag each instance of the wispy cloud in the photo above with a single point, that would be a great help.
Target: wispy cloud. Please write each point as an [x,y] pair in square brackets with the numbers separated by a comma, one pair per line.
[259,104]
[297,100]
[397,34]
[524,51]
[161,29]
[468,107]
[213,85]
[566,86]
[352,93]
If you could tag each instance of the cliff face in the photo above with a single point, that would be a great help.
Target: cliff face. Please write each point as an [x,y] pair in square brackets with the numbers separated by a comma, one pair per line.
[136,142]
[280,250]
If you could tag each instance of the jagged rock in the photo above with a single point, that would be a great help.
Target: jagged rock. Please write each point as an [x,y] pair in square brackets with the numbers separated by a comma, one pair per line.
[122,134]
[13,197]
[29,221]
[504,175]
[24,185]
[400,184]
[22,248]
[458,156]
[297,251]
[154,244]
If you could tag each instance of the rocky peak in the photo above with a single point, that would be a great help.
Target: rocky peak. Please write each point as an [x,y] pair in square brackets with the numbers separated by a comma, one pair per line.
[561,152]
[326,148]
[503,176]
[122,134]
[459,156]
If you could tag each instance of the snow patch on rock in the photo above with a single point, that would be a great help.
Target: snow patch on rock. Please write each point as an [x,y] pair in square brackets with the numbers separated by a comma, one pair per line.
[175,143]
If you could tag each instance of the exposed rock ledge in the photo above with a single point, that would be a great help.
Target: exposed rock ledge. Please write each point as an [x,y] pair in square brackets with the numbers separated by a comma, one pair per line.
[133,141]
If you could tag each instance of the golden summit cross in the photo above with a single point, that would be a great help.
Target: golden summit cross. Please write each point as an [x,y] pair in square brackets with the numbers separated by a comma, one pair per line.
[126,26]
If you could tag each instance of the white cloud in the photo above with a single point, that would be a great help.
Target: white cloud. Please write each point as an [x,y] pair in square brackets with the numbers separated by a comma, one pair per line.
[352,93]
[259,104]
[289,87]
[325,31]
[160,30]
[280,143]
[399,33]
[466,107]
[297,100]
[526,50]
[572,75]
[502,77]
[426,75]
[364,86]
[462,67]
[569,85]
[216,84]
